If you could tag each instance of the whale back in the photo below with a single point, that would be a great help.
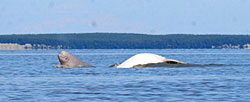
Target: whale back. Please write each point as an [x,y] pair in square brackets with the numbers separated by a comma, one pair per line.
[141,59]
[67,59]
[147,60]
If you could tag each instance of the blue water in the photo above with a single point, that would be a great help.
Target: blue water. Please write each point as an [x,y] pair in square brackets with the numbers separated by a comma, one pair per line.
[30,76]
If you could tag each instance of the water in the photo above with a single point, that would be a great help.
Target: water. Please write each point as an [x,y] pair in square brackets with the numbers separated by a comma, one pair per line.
[30,76]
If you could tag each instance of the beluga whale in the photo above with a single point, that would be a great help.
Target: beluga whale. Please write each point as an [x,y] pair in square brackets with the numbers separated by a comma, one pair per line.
[147,60]
[68,60]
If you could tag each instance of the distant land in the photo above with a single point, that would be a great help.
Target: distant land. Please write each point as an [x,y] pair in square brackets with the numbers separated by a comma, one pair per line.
[123,41]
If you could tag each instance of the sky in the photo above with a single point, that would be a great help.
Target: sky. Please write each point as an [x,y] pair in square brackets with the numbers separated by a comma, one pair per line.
[125,16]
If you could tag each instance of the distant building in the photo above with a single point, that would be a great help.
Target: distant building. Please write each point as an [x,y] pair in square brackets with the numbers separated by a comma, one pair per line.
[246,46]
[236,47]
[226,46]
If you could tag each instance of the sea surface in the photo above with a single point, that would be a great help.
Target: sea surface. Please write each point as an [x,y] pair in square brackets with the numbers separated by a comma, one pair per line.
[30,76]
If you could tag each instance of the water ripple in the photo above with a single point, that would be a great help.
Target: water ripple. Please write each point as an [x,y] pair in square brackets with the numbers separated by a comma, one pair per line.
[30,76]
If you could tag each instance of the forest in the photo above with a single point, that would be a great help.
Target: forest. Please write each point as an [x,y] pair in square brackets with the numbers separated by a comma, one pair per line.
[126,40]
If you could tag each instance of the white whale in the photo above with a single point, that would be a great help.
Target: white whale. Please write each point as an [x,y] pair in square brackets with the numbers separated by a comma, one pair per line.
[144,59]
[68,60]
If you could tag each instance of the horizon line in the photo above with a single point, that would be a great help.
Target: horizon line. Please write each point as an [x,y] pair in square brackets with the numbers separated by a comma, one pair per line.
[127,33]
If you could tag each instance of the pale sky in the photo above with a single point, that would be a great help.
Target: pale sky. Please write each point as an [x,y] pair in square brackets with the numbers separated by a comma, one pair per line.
[125,16]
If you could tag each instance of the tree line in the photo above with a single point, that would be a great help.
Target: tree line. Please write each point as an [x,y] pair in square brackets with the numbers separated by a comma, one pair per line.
[126,40]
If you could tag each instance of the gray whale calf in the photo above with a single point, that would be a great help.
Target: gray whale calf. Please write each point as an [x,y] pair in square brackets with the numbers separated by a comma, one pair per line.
[147,60]
[68,60]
